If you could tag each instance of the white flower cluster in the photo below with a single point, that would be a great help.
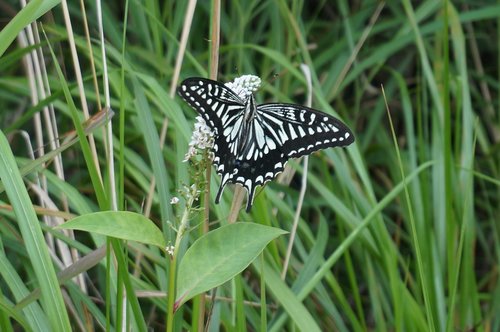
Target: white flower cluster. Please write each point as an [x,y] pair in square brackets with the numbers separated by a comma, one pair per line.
[244,85]
[202,138]
[192,192]
[170,250]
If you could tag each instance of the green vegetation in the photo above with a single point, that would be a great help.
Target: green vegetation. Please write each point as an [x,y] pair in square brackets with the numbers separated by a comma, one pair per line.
[397,232]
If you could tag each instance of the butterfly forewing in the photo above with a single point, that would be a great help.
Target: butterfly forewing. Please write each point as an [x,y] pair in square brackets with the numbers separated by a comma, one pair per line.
[216,103]
[300,130]
[223,111]
[254,149]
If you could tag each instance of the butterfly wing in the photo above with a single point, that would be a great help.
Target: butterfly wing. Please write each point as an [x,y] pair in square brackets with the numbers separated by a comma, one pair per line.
[282,131]
[223,112]
[255,152]
[301,130]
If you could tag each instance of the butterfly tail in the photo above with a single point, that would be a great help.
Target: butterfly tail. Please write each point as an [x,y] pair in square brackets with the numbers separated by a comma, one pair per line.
[250,197]
[223,183]
[219,192]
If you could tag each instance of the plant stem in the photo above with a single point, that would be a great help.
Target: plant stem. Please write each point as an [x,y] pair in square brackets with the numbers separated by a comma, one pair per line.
[173,262]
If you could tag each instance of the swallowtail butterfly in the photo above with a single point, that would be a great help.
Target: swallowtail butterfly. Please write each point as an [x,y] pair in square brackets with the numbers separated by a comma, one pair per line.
[252,143]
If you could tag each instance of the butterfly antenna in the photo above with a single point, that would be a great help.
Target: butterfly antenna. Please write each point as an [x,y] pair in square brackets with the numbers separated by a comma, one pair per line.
[274,76]
[237,71]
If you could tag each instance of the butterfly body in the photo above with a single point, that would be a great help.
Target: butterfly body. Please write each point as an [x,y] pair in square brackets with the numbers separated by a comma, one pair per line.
[252,143]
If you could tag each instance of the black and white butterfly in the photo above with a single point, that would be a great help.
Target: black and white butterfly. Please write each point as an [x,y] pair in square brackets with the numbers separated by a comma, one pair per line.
[252,143]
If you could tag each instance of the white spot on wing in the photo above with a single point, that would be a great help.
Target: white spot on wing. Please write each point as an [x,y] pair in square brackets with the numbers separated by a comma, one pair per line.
[270,143]
[250,152]
[313,116]
[259,135]
[293,135]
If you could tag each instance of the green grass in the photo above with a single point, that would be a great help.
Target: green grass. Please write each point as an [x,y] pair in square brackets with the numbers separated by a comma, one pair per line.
[396,232]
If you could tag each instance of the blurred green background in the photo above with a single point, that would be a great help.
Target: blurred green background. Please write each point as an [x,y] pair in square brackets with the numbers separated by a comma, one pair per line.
[398,232]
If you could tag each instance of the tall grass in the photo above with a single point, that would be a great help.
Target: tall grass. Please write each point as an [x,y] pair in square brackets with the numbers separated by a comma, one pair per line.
[396,232]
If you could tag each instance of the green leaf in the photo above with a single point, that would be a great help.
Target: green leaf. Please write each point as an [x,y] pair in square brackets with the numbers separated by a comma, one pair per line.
[120,224]
[32,11]
[219,255]
[287,299]
[32,236]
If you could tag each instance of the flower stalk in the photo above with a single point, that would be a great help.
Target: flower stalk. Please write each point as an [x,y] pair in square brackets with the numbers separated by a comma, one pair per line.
[200,145]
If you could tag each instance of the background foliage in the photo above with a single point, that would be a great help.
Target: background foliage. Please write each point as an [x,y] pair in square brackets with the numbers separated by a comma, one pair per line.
[397,232]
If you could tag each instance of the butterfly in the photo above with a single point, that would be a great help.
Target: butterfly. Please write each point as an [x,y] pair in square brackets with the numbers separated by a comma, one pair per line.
[252,143]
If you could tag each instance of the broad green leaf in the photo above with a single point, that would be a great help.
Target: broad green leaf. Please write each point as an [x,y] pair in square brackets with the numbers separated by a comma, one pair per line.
[120,224]
[219,255]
